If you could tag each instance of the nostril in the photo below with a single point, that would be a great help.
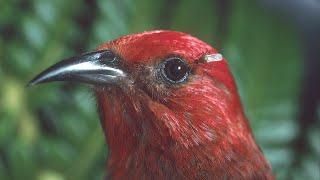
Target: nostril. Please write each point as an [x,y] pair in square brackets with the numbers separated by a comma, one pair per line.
[107,56]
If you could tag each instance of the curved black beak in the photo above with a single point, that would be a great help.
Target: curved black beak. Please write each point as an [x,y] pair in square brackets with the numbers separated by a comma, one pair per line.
[98,68]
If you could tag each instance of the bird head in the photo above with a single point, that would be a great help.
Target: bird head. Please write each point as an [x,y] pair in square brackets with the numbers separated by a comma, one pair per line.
[162,90]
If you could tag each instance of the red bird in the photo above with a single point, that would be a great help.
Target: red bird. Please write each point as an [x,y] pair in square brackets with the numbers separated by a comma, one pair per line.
[169,108]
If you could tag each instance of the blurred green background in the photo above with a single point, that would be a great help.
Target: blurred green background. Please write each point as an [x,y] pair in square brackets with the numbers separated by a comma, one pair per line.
[52,132]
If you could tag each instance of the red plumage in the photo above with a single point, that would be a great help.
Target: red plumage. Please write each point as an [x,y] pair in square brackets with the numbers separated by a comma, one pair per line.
[194,130]
[169,108]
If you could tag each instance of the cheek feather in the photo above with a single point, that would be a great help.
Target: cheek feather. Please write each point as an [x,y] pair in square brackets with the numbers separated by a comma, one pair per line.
[207,107]
[194,115]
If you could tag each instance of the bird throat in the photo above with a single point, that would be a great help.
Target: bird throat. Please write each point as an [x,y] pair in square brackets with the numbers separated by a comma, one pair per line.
[141,148]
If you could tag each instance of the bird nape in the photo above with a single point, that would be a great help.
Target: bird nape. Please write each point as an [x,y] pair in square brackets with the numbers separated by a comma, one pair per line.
[169,108]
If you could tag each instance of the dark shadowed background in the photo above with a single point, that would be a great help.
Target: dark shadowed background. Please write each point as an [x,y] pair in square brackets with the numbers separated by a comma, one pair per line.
[52,132]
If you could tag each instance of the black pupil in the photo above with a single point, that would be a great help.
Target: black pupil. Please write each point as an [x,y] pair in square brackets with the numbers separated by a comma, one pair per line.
[176,70]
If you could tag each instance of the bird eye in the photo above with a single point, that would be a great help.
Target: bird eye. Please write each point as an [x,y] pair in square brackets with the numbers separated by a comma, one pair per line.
[175,70]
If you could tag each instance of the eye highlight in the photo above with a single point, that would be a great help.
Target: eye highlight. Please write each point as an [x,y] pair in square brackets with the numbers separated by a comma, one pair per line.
[174,70]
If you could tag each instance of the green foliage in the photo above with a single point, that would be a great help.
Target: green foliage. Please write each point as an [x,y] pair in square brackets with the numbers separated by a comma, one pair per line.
[53,132]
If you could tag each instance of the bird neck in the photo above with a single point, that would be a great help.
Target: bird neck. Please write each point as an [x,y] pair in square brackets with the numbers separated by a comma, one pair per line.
[147,150]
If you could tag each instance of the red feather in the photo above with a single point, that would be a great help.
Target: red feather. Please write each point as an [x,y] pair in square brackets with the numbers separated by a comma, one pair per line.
[196,130]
